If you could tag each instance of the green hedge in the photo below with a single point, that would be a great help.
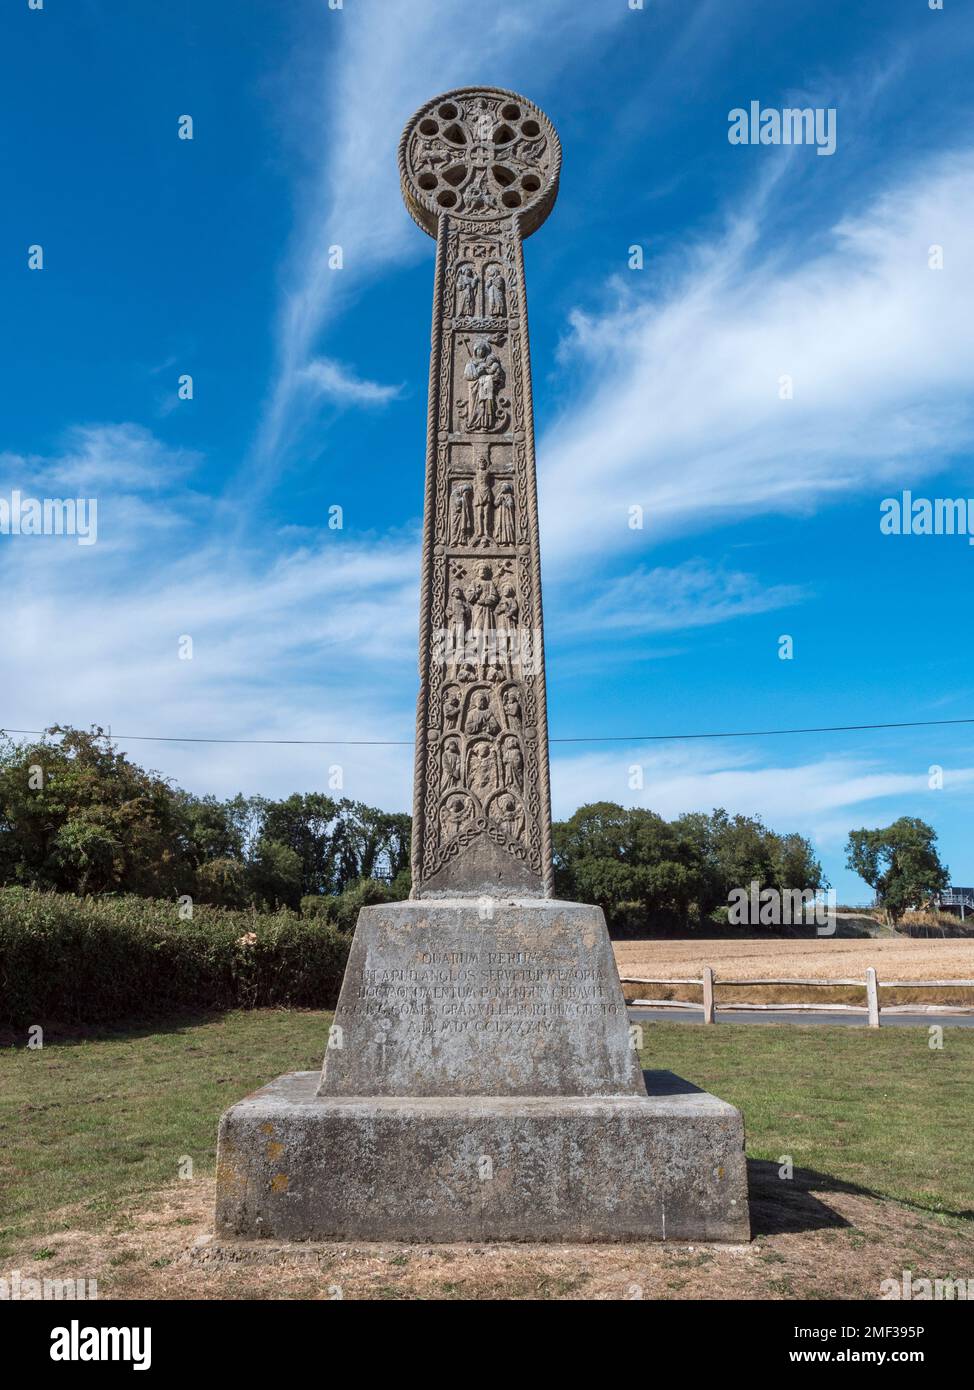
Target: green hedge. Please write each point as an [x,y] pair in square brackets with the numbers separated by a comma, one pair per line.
[77,960]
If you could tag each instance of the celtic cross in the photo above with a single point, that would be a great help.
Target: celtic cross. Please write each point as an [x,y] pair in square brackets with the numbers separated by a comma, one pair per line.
[479,169]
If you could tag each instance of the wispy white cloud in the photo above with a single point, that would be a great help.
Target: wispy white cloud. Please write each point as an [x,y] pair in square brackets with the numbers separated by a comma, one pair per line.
[679,402]
[137,485]
[317,641]
[123,456]
[331,379]
[803,796]
[694,594]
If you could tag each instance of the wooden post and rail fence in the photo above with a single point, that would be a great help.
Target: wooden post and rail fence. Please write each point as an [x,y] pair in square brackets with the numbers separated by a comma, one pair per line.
[871,984]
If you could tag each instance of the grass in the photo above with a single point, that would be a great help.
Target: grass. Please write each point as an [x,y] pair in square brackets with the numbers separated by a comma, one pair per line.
[99,1120]
[91,1124]
[882,1111]
[92,1134]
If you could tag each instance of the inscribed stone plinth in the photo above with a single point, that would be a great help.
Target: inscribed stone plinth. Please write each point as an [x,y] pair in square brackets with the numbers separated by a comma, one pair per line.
[441,998]
[480,1081]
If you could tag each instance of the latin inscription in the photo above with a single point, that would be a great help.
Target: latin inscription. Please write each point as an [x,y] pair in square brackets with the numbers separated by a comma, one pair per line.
[453,991]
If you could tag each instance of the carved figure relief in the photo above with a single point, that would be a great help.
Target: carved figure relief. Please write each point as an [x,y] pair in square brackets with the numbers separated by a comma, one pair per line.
[483,597]
[458,622]
[481,771]
[483,503]
[466,292]
[452,707]
[480,717]
[507,609]
[451,764]
[506,811]
[512,708]
[513,763]
[479,170]
[457,813]
[461,514]
[504,515]
[484,409]
[495,301]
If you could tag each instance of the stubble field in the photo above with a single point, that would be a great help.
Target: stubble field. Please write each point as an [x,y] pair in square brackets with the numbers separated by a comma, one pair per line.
[821,958]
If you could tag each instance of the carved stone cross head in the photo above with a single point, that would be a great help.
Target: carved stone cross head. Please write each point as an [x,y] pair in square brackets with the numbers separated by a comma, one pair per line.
[480,153]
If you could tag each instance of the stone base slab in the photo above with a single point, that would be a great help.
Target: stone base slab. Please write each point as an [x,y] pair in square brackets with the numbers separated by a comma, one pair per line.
[295,1166]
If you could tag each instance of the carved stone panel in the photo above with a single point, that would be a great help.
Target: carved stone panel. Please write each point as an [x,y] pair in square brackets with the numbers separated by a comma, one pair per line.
[479,172]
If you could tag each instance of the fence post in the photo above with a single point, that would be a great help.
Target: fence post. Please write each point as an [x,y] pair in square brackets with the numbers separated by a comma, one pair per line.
[872,996]
[708,994]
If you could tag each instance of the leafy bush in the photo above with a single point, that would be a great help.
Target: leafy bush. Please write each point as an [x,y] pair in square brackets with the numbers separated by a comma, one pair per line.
[342,909]
[100,960]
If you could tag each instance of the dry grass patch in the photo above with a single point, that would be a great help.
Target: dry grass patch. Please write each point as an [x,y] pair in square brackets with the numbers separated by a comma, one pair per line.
[811,1241]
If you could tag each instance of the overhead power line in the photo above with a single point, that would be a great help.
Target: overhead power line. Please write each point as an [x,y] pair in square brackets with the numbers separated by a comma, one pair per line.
[581,738]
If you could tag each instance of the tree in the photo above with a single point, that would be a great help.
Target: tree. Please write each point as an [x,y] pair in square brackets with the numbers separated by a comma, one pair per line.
[209,828]
[364,838]
[794,863]
[900,862]
[77,816]
[310,826]
[275,875]
[631,863]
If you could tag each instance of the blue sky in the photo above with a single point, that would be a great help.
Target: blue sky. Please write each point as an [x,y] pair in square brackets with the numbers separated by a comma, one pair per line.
[656,387]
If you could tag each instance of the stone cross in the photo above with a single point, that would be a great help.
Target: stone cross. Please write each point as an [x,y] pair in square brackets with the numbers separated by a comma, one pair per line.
[479,170]
[480,1080]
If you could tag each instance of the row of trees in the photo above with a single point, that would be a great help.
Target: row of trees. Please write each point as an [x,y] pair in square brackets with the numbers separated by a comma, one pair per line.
[78,816]
[641,869]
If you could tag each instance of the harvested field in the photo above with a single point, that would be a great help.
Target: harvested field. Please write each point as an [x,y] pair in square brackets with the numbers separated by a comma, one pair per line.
[896,958]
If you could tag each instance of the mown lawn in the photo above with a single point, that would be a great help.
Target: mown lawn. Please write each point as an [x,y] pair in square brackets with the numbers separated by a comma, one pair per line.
[880,1110]
[98,1120]
[94,1122]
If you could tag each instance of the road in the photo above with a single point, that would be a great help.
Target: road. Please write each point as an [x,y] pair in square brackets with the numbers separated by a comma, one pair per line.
[848,1020]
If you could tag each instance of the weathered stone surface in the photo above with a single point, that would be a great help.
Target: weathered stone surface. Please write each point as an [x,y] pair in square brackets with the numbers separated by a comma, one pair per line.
[481,998]
[479,169]
[670,1166]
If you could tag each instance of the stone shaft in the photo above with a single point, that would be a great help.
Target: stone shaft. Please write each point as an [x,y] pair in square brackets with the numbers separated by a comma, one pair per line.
[479,171]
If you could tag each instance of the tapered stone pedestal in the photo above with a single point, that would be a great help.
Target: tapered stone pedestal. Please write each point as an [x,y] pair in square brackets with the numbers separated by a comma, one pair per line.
[481,1084]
